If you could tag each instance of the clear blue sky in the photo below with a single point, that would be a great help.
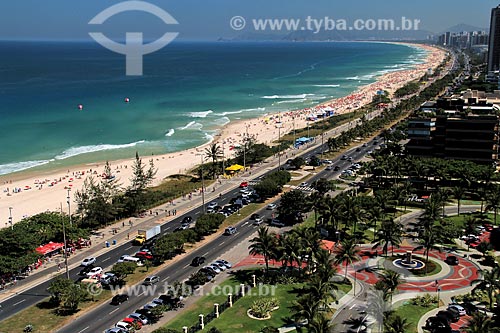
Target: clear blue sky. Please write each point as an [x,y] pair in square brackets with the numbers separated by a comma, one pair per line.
[209,19]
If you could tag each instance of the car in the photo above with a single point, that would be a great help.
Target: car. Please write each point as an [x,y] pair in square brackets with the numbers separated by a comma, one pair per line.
[365,144]
[126,258]
[344,157]
[277,223]
[151,280]
[224,262]
[488,227]
[133,322]
[244,184]
[215,268]
[109,278]
[150,306]
[139,317]
[181,227]
[434,323]
[144,255]
[304,184]
[88,261]
[254,216]
[470,308]
[461,310]
[271,206]
[114,330]
[145,312]
[350,159]
[158,301]
[258,221]
[208,270]
[197,261]
[212,205]
[94,271]
[127,327]
[451,260]
[230,231]
[86,269]
[119,299]
[329,168]
[187,220]
[451,317]
[218,265]
[336,168]
[358,149]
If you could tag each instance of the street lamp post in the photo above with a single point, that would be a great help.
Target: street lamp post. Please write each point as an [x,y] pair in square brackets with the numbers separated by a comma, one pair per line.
[202,184]
[65,250]
[69,206]
[10,218]
[279,146]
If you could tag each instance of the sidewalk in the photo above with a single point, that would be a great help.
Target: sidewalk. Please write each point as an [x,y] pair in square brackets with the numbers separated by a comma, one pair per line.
[122,233]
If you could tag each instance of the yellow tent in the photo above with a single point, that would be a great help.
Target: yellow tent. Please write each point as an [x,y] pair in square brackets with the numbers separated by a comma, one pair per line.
[235,167]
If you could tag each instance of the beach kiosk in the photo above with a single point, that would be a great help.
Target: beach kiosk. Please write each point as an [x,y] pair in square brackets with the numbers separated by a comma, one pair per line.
[233,169]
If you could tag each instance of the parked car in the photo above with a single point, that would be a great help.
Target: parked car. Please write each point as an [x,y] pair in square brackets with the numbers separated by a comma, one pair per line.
[132,321]
[230,231]
[127,327]
[86,269]
[109,278]
[145,312]
[140,317]
[461,310]
[119,299]
[114,330]
[150,306]
[94,271]
[212,205]
[224,262]
[144,255]
[219,266]
[197,261]
[244,184]
[451,260]
[254,216]
[277,223]
[434,323]
[88,261]
[151,280]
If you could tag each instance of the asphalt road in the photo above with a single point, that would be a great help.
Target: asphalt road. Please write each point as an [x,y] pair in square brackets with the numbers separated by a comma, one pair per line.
[178,271]
[107,315]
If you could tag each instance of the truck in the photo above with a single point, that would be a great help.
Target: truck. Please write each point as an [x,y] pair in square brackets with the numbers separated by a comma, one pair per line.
[146,235]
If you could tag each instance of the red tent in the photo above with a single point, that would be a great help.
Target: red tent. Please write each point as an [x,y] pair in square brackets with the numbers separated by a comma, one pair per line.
[327,245]
[50,247]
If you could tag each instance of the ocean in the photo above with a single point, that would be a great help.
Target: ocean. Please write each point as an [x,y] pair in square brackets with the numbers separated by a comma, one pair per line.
[188,92]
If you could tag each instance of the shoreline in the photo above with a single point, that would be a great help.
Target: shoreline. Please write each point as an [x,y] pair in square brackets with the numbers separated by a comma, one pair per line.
[37,183]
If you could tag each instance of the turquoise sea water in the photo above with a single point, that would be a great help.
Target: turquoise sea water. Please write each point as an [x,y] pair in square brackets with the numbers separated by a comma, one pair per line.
[188,91]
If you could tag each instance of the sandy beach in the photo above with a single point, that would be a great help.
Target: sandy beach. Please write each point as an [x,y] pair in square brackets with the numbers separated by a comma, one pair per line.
[28,193]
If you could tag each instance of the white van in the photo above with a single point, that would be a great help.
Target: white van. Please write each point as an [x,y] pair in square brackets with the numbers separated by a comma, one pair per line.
[127,258]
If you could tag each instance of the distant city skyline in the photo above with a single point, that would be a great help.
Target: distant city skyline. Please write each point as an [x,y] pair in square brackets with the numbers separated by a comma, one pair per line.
[209,20]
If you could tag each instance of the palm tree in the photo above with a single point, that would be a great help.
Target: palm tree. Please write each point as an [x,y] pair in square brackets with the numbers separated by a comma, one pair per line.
[320,324]
[308,241]
[396,324]
[347,253]
[214,152]
[493,200]
[489,283]
[288,249]
[390,233]
[481,323]
[389,282]
[264,244]
[458,193]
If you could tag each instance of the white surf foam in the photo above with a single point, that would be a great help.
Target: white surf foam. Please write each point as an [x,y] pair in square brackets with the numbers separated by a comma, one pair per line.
[19,166]
[201,114]
[288,96]
[193,125]
[75,151]
[170,132]
[327,85]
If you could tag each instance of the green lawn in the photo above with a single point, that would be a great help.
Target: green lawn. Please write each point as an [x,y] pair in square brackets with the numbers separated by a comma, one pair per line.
[412,314]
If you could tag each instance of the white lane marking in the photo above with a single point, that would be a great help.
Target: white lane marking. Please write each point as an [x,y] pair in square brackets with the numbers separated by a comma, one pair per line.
[114,310]
[187,265]
[106,259]
[23,300]
[128,248]
[352,307]
[205,254]
[244,223]
[222,243]
[165,279]
[83,329]
[140,294]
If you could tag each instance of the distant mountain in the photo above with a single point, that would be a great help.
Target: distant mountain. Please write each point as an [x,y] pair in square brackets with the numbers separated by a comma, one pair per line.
[464,27]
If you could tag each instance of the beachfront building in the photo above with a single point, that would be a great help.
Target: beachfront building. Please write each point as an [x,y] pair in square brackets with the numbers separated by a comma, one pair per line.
[494,41]
[456,128]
